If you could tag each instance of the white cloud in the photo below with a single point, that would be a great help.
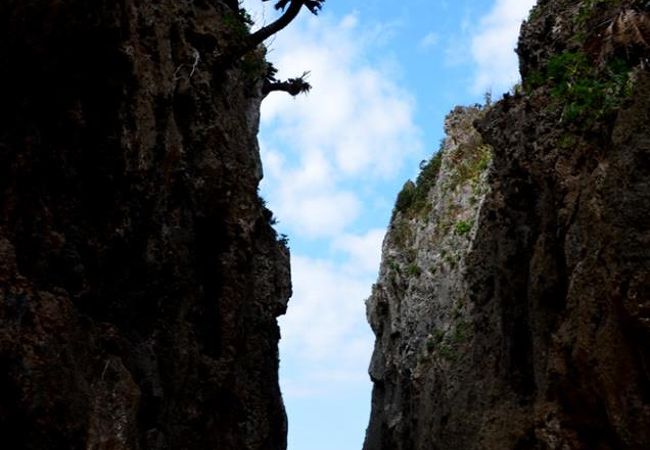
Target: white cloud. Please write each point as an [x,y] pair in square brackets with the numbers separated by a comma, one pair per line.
[429,41]
[324,334]
[355,112]
[493,45]
[274,161]
[327,312]
[320,215]
[300,388]
[364,251]
[326,156]
[306,197]
[355,126]
[321,383]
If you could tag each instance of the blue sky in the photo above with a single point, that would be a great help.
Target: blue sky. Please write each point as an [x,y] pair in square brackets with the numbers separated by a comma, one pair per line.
[384,75]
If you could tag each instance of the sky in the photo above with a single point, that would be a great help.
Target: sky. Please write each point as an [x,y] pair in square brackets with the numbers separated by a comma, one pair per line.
[384,75]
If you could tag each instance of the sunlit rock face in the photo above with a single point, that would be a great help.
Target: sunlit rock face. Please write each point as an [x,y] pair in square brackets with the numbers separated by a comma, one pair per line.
[140,279]
[512,309]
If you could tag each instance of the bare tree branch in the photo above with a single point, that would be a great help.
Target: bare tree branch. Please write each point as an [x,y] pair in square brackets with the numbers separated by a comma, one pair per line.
[285,19]
[292,86]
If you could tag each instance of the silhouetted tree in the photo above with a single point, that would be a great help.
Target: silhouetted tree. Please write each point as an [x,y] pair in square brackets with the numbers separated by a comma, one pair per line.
[285,19]
[291,9]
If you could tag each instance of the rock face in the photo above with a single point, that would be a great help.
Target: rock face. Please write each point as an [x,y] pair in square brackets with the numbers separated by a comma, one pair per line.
[512,309]
[140,279]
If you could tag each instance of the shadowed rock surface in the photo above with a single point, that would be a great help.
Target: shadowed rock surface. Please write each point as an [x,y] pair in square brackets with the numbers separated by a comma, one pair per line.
[140,279]
[512,309]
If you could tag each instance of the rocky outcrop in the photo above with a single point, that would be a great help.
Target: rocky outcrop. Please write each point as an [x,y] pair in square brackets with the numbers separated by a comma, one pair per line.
[512,309]
[421,308]
[140,278]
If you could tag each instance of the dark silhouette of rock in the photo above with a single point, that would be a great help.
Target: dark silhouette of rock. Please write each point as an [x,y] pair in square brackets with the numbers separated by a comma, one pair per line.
[140,278]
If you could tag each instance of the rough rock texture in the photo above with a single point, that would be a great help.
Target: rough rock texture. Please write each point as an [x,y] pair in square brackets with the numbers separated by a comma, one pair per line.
[420,308]
[521,319]
[140,279]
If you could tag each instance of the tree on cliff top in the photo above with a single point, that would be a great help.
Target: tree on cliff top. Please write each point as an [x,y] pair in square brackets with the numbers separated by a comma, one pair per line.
[293,86]
[280,23]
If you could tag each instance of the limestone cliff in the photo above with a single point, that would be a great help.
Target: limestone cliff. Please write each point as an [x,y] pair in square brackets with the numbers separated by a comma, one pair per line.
[512,309]
[140,278]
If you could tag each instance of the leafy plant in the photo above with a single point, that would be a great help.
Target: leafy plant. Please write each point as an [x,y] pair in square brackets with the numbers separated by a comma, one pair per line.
[447,351]
[434,339]
[284,240]
[427,178]
[412,198]
[535,79]
[535,12]
[244,16]
[461,333]
[586,92]
[463,227]
[567,141]
[475,159]
[245,45]
[405,197]
[238,23]
[413,270]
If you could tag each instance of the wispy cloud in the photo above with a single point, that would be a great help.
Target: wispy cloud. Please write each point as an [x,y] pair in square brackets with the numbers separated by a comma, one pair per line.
[429,41]
[325,314]
[325,344]
[493,45]
[355,126]
[364,250]
[326,157]
[356,113]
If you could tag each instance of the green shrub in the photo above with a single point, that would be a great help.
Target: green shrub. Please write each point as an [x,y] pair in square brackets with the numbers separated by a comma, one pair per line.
[535,79]
[447,351]
[474,161]
[284,240]
[426,180]
[586,92]
[412,199]
[405,197]
[238,23]
[461,333]
[413,270]
[434,339]
[463,227]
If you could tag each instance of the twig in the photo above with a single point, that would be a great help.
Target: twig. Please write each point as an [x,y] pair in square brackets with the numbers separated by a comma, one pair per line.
[108,362]
[197,58]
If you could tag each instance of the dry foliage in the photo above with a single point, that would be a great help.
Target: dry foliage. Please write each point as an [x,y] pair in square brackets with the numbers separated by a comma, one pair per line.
[627,31]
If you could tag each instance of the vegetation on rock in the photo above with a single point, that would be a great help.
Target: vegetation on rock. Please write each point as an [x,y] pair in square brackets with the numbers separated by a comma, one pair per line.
[412,199]
[293,86]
